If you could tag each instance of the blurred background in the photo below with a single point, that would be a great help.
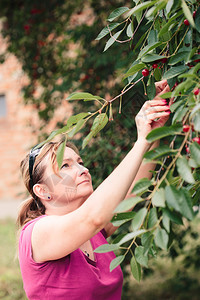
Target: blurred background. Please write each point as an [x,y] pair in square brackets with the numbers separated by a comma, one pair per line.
[48,50]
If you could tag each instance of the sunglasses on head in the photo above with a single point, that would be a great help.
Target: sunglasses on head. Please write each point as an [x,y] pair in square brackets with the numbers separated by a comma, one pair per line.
[32,156]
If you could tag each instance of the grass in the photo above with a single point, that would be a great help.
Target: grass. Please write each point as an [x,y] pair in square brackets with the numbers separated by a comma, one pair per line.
[11,286]
[168,281]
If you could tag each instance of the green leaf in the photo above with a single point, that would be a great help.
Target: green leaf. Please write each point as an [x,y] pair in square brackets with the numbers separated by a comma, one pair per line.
[151,57]
[76,128]
[195,109]
[135,269]
[130,236]
[178,57]
[141,186]
[172,195]
[180,201]
[179,114]
[153,37]
[107,30]
[128,204]
[151,88]
[195,152]
[169,6]
[161,132]
[116,262]
[134,70]
[156,153]
[99,123]
[106,248]
[141,258]
[171,23]
[158,198]
[60,153]
[192,163]
[129,30]
[185,203]
[184,169]
[158,7]
[116,13]
[138,219]
[175,105]
[161,238]
[122,218]
[197,19]
[187,13]
[51,136]
[82,96]
[74,119]
[157,74]
[165,28]
[140,7]
[174,72]
[173,216]
[112,40]
[196,121]
[149,48]
[166,222]
[147,240]
[152,218]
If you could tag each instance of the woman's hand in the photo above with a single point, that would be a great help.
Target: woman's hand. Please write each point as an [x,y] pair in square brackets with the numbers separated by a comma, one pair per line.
[154,113]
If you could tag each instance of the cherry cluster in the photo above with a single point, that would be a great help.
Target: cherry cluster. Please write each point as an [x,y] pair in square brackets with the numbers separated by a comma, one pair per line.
[145,72]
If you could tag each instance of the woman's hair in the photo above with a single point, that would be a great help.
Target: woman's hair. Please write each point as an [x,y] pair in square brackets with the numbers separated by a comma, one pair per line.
[33,207]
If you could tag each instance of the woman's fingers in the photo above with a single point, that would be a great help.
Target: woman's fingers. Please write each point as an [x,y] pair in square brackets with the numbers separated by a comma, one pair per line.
[157,108]
[156,115]
[154,102]
[165,90]
[160,85]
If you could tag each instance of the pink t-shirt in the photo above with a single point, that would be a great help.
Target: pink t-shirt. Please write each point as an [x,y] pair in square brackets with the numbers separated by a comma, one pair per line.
[72,277]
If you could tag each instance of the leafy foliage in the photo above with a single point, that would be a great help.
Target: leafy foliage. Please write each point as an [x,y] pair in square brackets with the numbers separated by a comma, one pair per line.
[173,47]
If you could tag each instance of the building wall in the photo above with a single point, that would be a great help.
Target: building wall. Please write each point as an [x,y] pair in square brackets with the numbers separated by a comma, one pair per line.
[16,127]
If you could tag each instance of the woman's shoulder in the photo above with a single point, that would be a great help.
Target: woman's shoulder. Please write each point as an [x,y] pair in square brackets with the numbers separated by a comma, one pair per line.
[33,221]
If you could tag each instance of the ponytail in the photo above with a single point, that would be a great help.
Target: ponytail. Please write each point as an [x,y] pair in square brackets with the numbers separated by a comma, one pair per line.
[29,209]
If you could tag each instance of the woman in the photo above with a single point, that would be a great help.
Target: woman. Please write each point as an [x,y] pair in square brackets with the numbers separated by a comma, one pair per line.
[65,220]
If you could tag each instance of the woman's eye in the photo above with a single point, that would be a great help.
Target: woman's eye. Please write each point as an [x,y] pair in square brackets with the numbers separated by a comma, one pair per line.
[65,166]
[81,163]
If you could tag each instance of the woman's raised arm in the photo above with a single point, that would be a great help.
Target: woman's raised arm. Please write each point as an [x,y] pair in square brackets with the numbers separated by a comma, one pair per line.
[54,237]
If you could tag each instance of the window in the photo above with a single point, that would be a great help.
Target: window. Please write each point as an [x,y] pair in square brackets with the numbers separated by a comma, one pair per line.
[2,106]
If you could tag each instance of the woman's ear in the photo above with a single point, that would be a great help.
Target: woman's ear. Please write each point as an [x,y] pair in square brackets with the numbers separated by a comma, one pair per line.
[41,191]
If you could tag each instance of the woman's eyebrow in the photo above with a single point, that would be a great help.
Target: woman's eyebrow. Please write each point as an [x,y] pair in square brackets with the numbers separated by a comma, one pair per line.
[71,159]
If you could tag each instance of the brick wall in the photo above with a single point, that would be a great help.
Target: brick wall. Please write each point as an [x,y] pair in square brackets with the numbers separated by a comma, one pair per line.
[16,127]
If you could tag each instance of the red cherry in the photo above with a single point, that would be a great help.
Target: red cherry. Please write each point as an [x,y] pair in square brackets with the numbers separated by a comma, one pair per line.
[186,128]
[196,139]
[27,28]
[41,43]
[187,149]
[145,72]
[186,22]
[196,91]
[164,60]
[154,66]
[35,11]
[194,14]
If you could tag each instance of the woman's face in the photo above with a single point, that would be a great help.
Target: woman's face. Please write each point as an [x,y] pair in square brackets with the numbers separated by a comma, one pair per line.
[73,186]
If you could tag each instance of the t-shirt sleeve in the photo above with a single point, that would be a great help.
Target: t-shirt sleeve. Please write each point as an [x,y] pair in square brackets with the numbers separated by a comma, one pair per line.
[104,233]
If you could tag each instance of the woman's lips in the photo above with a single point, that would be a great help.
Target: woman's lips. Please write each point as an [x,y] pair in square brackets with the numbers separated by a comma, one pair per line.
[84,181]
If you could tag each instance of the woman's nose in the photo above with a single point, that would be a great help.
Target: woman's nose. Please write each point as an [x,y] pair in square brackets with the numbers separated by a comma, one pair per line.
[82,170]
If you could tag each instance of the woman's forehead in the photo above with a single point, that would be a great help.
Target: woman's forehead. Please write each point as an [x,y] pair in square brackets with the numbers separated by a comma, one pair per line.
[70,154]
